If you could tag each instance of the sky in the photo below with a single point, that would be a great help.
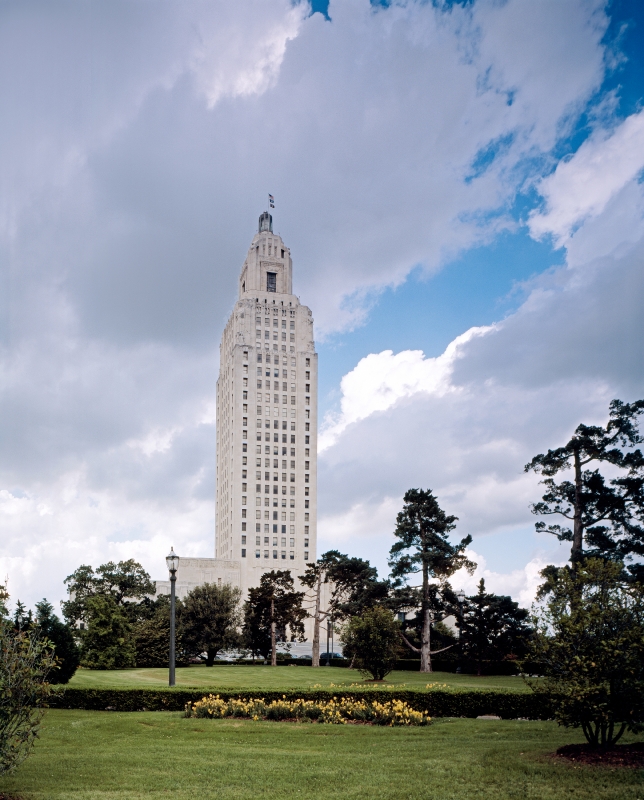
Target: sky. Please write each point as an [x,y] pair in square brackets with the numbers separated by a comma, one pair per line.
[461,185]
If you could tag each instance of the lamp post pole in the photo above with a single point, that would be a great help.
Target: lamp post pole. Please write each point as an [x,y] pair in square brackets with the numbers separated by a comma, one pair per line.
[172,560]
[460,597]
[328,632]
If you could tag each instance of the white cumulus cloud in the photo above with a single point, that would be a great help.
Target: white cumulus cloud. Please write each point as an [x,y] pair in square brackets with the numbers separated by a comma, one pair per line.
[583,185]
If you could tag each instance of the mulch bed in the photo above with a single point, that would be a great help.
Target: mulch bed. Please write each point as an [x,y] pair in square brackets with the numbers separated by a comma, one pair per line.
[621,755]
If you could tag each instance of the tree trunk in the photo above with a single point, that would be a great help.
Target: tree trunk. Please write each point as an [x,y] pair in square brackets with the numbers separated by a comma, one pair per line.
[425,636]
[273,637]
[576,551]
[210,657]
[315,653]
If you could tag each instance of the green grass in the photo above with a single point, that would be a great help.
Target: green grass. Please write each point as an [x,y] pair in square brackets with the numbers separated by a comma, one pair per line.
[85,755]
[264,677]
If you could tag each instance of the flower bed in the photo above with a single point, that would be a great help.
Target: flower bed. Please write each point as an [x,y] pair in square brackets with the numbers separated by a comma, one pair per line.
[335,711]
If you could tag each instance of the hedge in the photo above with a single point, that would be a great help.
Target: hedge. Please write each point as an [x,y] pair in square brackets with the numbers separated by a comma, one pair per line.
[437,702]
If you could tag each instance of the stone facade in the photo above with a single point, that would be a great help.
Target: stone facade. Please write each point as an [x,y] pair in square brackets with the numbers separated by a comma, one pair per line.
[266,493]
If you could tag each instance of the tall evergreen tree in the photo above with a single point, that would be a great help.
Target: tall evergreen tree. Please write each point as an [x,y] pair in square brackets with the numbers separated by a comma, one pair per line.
[423,546]
[66,650]
[607,516]
[493,628]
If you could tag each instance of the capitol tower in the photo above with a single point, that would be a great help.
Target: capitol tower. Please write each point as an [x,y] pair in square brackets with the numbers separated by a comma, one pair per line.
[267,420]
[266,494]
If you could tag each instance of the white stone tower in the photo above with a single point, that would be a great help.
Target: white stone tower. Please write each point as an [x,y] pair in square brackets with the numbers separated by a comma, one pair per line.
[267,420]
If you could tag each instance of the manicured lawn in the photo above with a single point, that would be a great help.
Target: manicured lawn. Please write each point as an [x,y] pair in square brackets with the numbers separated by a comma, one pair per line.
[84,755]
[264,677]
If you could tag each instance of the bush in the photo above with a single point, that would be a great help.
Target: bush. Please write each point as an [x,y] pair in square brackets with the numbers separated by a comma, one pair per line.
[437,702]
[25,660]
[372,641]
[590,645]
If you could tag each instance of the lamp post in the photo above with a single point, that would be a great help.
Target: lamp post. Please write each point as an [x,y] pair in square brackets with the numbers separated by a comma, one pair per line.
[460,596]
[172,560]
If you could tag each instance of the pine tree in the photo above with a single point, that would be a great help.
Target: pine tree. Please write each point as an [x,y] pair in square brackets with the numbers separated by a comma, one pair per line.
[423,546]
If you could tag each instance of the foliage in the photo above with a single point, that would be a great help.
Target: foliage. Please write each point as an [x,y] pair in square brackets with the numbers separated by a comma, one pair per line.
[437,701]
[372,641]
[493,628]
[152,633]
[25,662]
[210,618]
[354,586]
[108,642]
[127,583]
[607,516]
[422,530]
[335,712]
[62,638]
[272,610]
[590,645]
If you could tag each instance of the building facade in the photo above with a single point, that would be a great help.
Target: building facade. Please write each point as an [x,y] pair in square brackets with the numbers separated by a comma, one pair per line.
[266,493]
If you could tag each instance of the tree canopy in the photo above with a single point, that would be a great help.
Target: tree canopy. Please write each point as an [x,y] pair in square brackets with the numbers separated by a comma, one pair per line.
[210,617]
[589,644]
[607,515]
[273,611]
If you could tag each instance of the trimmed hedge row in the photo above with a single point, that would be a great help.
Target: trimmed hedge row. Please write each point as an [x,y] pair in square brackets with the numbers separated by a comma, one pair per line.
[437,702]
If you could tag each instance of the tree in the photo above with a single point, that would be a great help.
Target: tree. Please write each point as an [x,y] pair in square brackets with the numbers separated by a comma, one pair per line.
[589,643]
[60,635]
[407,601]
[372,641]
[354,586]
[108,642]
[152,633]
[422,530]
[272,608]
[210,618]
[493,628]
[607,516]
[25,661]
[127,583]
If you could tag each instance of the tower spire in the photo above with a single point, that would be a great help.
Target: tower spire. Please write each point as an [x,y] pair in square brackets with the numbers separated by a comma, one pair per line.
[265,222]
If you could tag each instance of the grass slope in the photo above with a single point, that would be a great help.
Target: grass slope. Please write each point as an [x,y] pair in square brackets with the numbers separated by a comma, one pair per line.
[264,677]
[86,755]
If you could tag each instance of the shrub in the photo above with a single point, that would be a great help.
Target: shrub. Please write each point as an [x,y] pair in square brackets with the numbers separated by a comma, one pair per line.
[372,640]
[437,702]
[590,646]
[25,660]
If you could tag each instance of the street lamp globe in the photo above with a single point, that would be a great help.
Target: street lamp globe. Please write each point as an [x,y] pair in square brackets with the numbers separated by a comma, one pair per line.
[172,560]
[460,595]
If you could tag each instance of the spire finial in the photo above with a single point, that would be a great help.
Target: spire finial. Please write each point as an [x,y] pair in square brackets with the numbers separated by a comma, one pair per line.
[265,222]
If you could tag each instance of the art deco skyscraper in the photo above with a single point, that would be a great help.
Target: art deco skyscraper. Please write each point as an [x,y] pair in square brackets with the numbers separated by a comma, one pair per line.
[267,420]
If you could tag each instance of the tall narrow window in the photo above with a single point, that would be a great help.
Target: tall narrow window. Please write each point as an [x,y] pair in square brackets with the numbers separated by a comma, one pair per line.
[271,281]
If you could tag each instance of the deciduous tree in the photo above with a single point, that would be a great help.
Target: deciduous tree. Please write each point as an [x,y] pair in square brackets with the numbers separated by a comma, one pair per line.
[589,644]
[25,662]
[372,641]
[352,586]
[273,608]
[210,618]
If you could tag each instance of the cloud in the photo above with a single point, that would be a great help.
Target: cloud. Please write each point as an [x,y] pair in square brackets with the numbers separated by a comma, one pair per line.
[381,379]
[143,141]
[582,186]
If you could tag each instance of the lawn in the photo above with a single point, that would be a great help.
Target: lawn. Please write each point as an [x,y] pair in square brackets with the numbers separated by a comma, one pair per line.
[84,755]
[265,677]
